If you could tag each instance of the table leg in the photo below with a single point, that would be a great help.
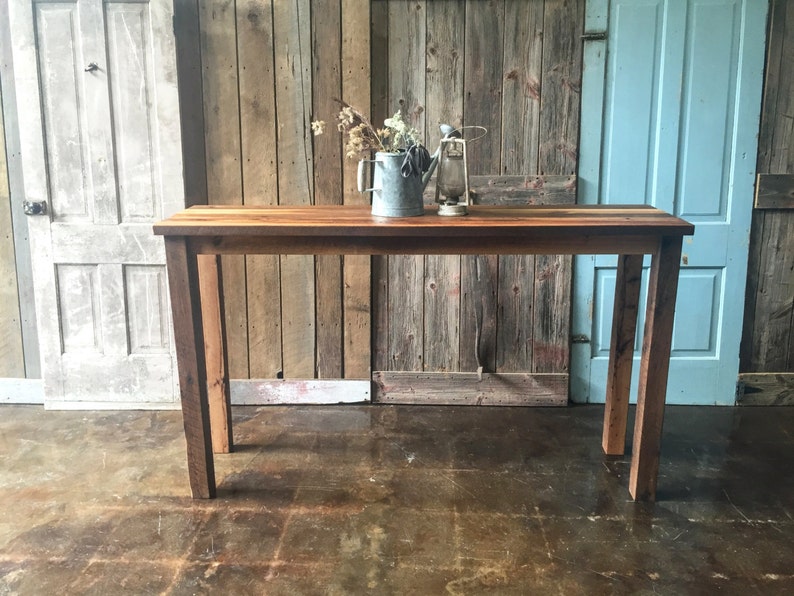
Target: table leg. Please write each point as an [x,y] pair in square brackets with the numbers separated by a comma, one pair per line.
[183,285]
[210,282]
[621,353]
[656,344]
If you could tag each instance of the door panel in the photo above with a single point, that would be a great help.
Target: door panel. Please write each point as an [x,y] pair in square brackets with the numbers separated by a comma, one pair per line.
[106,141]
[678,131]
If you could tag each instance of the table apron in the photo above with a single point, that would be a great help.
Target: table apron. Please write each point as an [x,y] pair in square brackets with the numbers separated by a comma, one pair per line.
[412,245]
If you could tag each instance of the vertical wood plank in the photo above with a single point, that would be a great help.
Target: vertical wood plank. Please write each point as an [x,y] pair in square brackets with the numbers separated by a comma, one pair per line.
[183,282]
[523,53]
[380,314]
[655,363]
[775,296]
[621,353]
[478,313]
[12,358]
[260,178]
[379,30]
[523,41]
[768,328]
[407,27]
[558,149]
[406,321]
[483,54]
[561,87]
[442,314]
[224,175]
[357,305]
[218,396]
[515,296]
[327,85]
[292,41]
[444,99]
[483,80]
[552,322]
[444,79]
[187,35]
[379,56]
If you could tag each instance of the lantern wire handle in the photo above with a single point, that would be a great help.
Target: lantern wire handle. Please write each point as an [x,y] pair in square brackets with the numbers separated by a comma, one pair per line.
[477,138]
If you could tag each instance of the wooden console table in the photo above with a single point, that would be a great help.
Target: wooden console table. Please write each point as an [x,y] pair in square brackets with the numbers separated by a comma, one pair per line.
[195,237]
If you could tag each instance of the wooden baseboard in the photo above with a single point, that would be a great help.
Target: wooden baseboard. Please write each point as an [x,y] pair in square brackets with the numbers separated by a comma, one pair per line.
[462,388]
[765,389]
[21,391]
[260,392]
[774,191]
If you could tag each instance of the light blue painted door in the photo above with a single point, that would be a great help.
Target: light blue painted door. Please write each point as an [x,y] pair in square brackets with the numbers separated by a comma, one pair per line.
[670,110]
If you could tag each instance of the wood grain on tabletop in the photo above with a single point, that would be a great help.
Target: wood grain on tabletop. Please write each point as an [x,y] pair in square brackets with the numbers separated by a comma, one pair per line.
[357,220]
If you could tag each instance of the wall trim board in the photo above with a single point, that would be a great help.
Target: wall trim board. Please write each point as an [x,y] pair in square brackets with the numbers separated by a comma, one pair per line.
[765,389]
[774,191]
[465,388]
[21,391]
[261,392]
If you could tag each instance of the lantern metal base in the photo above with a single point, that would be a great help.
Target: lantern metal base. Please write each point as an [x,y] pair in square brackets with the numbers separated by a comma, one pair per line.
[454,209]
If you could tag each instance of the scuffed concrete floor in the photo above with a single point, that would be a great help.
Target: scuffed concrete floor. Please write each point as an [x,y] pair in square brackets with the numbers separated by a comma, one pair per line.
[395,500]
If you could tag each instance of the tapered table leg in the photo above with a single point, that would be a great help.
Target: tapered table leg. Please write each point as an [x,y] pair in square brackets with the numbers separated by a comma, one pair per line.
[183,284]
[210,278]
[621,353]
[654,366]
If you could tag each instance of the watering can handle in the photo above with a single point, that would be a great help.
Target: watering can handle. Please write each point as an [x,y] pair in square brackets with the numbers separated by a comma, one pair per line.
[362,175]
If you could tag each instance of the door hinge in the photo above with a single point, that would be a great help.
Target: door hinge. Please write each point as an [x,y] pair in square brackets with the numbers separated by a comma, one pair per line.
[594,36]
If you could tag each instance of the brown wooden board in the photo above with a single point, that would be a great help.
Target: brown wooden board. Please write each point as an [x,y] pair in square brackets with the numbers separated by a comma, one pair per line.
[380,106]
[407,36]
[442,313]
[260,179]
[465,388]
[774,302]
[210,276]
[357,278]
[573,224]
[558,151]
[444,99]
[188,39]
[768,330]
[483,56]
[766,389]
[514,342]
[774,191]
[523,53]
[223,154]
[327,85]
[293,63]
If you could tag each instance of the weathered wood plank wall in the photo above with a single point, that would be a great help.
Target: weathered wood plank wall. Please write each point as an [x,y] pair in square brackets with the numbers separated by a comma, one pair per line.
[768,338]
[514,67]
[268,68]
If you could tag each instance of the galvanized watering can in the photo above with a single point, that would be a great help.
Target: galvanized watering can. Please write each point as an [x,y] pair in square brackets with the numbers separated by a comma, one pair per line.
[395,194]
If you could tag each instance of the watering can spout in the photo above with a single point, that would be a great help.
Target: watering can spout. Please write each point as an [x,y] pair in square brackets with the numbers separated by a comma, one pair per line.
[446,131]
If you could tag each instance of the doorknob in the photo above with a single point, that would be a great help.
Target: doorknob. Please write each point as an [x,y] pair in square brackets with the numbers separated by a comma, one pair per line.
[91,67]
[34,207]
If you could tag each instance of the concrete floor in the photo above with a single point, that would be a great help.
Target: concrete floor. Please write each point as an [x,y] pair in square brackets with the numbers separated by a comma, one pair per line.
[395,500]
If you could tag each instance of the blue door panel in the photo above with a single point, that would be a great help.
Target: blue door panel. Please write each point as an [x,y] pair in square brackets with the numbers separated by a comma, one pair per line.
[708,115]
[673,124]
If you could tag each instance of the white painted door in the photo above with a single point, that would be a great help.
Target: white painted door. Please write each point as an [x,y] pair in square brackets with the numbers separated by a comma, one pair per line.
[670,112]
[99,135]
